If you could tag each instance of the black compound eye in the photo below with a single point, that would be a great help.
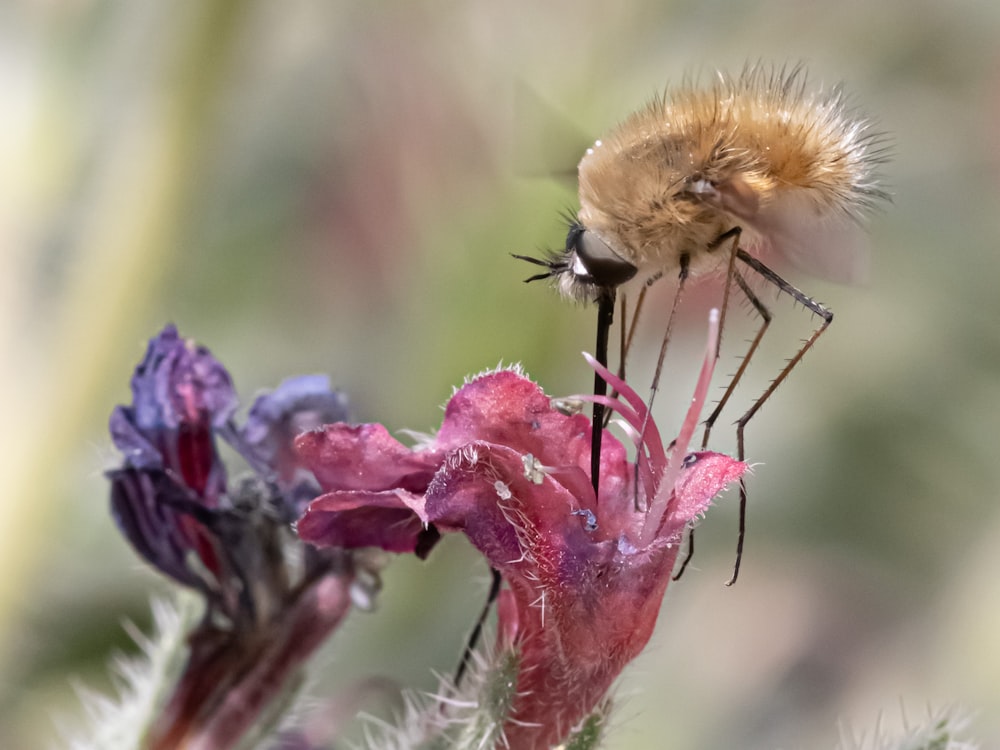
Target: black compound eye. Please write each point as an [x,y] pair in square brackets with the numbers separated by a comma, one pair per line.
[690,460]
[598,262]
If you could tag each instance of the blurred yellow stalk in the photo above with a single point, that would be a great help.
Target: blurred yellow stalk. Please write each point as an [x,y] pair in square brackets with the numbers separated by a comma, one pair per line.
[118,263]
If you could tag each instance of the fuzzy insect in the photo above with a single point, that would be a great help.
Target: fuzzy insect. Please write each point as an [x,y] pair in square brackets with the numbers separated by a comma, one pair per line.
[700,178]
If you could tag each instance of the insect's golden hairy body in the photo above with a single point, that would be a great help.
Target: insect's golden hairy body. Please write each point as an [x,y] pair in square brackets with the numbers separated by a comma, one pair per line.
[755,151]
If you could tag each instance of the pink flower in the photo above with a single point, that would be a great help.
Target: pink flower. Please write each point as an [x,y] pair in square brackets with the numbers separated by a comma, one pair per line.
[584,576]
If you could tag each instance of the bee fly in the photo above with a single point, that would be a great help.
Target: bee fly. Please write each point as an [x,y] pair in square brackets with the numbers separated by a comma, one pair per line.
[703,180]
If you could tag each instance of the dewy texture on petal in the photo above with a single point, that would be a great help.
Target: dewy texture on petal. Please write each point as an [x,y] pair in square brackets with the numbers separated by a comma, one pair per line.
[511,472]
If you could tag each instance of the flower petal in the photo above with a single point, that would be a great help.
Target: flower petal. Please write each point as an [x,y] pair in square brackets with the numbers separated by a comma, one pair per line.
[365,457]
[180,395]
[525,529]
[391,520]
[506,408]
[295,406]
[703,475]
[177,381]
[142,503]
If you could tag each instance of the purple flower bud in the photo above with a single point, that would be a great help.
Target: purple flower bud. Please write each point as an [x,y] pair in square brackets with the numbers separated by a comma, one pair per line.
[297,405]
[271,600]
[179,382]
[180,396]
[143,505]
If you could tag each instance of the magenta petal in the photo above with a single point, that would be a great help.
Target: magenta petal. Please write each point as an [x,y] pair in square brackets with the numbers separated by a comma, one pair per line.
[388,520]
[703,475]
[521,526]
[365,457]
[506,408]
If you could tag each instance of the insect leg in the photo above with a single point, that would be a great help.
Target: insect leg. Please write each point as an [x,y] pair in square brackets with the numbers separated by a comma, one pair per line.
[687,558]
[477,629]
[710,422]
[682,277]
[817,309]
[731,273]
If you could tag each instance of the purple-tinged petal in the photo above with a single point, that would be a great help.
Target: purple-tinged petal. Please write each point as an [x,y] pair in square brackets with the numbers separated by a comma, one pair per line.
[297,405]
[271,600]
[180,382]
[146,506]
[181,395]
[137,450]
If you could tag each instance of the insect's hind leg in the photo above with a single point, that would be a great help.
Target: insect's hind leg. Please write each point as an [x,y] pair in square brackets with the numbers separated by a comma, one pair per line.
[477,629]
[766,317]
[808,302]
[817,309]
[733,237]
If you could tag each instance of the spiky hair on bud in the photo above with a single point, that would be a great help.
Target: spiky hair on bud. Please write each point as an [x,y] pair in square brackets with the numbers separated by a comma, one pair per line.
[942,729]
[465,717]
[141,681]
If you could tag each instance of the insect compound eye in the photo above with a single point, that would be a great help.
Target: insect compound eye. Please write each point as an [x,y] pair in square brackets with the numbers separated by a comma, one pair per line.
[690,460]
[595,260]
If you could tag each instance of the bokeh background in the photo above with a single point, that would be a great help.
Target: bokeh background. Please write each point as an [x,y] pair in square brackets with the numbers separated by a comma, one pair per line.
[336,187]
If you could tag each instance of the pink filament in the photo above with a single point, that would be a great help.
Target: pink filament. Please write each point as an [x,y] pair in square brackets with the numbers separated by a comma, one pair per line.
[665,490]
[651,458]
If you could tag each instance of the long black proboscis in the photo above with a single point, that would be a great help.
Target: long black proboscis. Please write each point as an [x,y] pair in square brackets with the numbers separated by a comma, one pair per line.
[605,317]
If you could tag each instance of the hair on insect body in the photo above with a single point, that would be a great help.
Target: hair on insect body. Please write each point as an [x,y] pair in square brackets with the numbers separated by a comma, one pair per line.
[708,179]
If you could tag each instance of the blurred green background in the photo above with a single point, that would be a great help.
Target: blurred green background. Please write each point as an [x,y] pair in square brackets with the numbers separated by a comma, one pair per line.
[336,187]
